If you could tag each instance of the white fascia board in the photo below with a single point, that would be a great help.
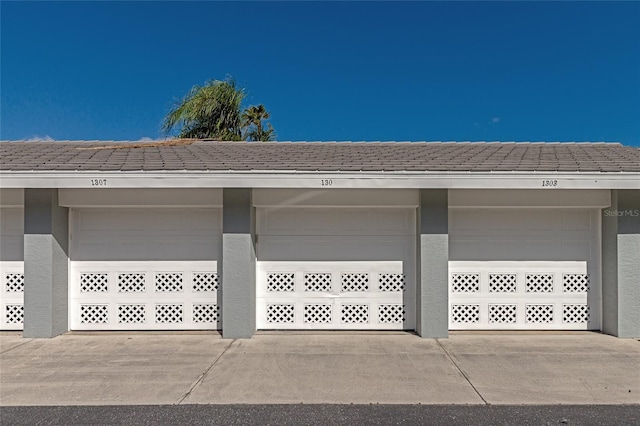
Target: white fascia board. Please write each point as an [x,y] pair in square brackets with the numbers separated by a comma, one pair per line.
[325,180]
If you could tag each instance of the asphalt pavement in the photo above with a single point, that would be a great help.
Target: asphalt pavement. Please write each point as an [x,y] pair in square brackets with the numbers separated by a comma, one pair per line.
[322,414]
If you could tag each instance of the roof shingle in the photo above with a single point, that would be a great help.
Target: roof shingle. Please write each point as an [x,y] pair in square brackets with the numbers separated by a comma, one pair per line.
[325,156]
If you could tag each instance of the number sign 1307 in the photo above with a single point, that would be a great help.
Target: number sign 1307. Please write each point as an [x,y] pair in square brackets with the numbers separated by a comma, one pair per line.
[98,182]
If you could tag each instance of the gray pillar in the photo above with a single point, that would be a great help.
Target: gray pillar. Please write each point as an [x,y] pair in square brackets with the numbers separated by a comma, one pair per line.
[621,265]
[433,269]
[238,264]
[46,260]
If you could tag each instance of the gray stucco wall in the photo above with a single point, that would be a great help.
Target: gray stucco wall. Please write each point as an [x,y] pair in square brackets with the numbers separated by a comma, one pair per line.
[629,263]
[432,293]
[621,265]
[238,264]
[610,267]
[46,254]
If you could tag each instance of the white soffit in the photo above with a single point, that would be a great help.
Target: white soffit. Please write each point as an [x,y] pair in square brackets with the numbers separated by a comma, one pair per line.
[268,197]
[11,197]
[321,180]
[509,198]
[141,197]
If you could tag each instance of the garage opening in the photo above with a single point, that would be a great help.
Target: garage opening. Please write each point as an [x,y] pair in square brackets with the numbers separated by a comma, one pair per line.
[524,268]
[335,267]
[11,263]
[144,268]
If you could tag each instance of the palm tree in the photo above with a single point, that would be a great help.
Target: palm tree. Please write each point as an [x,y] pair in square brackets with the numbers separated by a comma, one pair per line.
[252,118]
[211,111]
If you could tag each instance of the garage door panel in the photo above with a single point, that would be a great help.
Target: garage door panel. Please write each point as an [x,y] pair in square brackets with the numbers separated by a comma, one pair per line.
[512,249]
[323,221]
[11,220]
[146,269]
[542,221]
[12,248]
[536,249]
[482,219]
[351,222]
[144,296]
[576,221]
[337,248]
[11,234]
[546,275]
[144,220]
[396,221]
[576,250]
[145,234]
[145,249]
[334,295]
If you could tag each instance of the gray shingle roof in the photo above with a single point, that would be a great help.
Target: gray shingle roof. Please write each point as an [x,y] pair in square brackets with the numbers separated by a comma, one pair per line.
[316,156]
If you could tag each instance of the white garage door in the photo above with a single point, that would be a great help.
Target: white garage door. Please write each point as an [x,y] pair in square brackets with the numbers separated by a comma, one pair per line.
[144,269]
[336,268]
[524,269]
[11,268]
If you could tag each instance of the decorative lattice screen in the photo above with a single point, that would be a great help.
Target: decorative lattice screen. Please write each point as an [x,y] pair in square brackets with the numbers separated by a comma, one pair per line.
[14,283]
[575,313]
[318,281]
[539,314]
[503,314]
[205,281]
[14,314]
[575,283]
[94,314]
[392,282]
[355,314]
[169,313]
[132,314]
[465,313]
[317,313]
[94,283]
[354,281]
[281,281]
[539,283]
[280,313]
[502,283]
[465,283]
[131,282]
[206,313]
[391,314]
[168,281]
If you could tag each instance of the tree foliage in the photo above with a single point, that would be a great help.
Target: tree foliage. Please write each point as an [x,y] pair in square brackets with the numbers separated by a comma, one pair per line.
[214,111]
[254,119]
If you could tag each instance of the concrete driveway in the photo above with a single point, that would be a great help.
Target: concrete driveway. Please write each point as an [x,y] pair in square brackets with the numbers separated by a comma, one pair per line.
[343,368]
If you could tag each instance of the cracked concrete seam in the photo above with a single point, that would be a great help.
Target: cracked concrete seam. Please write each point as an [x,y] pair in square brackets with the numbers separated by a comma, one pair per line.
[17,346]
[201,378]
[462,372]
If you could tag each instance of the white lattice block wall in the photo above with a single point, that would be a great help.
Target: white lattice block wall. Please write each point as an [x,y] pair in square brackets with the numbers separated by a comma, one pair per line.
[11,295]
[144,296]
[522,295]
[335,295]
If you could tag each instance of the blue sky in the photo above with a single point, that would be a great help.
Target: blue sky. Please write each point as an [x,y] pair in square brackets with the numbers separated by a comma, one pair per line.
[552,71]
